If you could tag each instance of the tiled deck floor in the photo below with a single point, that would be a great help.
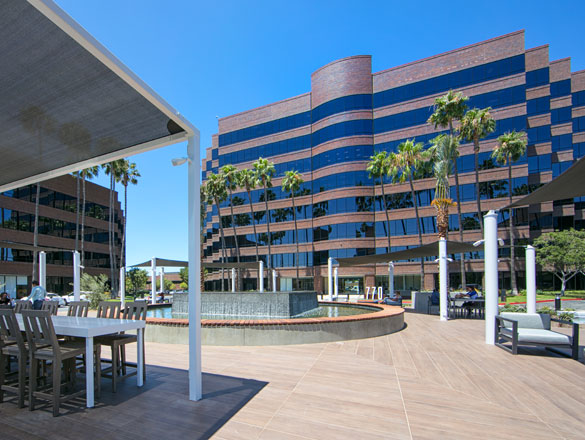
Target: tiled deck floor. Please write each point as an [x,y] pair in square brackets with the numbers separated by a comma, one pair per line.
[432,380]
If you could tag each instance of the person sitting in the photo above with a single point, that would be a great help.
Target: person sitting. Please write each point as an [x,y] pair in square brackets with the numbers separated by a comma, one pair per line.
[435,298]
[5,299]
[37,295]
[472,294]
[395,300]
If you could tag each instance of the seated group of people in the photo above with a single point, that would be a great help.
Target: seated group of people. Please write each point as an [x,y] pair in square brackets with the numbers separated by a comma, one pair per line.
[37,297]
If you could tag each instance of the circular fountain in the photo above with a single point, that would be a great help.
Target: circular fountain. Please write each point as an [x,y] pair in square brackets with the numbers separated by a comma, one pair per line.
[275,318]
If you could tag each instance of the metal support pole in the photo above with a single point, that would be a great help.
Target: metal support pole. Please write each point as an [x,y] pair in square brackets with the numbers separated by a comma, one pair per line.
[261,276]
[443,280]
[43,269]
[391,279]
[76,275]
[330,278]
[162,279]
[336,284]
[153,280]
[491,274]
[530,279]
[274,280]
[123,286]
[194,174]
[233,279]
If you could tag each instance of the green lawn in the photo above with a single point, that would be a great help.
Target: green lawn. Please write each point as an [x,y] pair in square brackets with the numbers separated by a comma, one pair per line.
[569,294]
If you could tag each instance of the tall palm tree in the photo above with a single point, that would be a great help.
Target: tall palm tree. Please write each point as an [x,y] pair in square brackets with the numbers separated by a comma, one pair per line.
[264,171]
[511,147]
[447,110]
[248,181]
[88,173]
[475,125]
[216,192]
[411,158]
[381,165]
[230,174]
[77,176]
[441,156]
[129,175]
[292,183]
[112,169]
[36,121]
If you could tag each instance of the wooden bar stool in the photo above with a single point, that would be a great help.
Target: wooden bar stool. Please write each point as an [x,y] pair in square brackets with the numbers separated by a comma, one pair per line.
[12,344]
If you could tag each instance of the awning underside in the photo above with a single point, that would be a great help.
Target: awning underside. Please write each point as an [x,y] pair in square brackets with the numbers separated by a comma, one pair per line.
[427,250]
[161,262]
[59,104]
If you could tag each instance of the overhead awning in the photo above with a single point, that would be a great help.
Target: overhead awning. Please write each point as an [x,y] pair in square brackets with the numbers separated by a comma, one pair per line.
[30,247]
[230,265]
[161,262]
[66,102]
[427,250]
[569,184]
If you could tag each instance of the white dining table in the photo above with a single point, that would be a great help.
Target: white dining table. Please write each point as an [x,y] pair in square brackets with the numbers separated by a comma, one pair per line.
[89,328]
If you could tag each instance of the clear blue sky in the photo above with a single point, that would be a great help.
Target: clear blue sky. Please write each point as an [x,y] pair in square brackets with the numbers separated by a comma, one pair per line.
[217,58]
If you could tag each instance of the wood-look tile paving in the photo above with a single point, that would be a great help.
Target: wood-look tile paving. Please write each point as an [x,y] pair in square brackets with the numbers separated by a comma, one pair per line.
[433,380]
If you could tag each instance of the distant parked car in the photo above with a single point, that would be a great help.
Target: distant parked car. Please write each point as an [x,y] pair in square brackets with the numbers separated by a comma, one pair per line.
[70,298]
[55,297]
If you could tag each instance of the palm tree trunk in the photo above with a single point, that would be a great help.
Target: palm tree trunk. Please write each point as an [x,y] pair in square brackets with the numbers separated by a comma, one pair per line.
[36,233]
[253,224]
[123,251]
[457,193]
[385,207]
[296,236]
[477,194]
[236,240]
[513,284]
[418,229]
[222,244]
[110,227]
[268,263]
[83,223]
[77,213]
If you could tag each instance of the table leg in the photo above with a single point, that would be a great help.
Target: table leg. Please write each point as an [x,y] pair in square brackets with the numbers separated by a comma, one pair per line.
[140,358]
[89,372]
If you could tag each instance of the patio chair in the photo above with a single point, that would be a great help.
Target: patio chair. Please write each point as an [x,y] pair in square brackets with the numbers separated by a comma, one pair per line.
[51,306]
[78,308]
[133,310]
[22,304]
[44,346]
[12,344]
[109,309]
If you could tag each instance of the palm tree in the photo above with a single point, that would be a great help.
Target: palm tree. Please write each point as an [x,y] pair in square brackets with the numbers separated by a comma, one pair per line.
[77,207]
[88,173]
[475,125]
[230,174]
[511,147]
[216,192]
[292,183]
[36,121]
[128,175]
[448,109]
[411,158]
[113,170]
[248,181]
[383,164]
[441,156]
[264,171]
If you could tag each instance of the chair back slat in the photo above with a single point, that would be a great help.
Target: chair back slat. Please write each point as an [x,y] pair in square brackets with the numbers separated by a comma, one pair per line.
[39,329]
[22,304]
[9,329]
[78,308]
[109,309]
[51,306]
[135,310]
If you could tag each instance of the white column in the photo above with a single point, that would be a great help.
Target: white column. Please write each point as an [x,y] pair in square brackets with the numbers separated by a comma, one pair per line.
[391,279]
[491,273]
[233,279]
[274,280]
[162,279]
[76,275]
[123,286]
[195,383]
[43,269]
[443,280]
[153,280]
[330,278]
[336,284]
[261,276]
[530,279]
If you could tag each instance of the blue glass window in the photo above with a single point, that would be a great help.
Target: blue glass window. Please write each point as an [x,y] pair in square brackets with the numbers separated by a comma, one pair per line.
[537,77]
[538,106]
[560,88]
[579,98]
[214,153]
[560,115]
[473,75]
[340,105]
[267,150]
[358,127]
[562,142]
[579,124]
[560,167]
[538,134]
[342,155]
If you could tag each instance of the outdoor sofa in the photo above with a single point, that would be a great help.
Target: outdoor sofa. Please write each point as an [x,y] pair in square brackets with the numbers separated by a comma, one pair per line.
[533,329]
